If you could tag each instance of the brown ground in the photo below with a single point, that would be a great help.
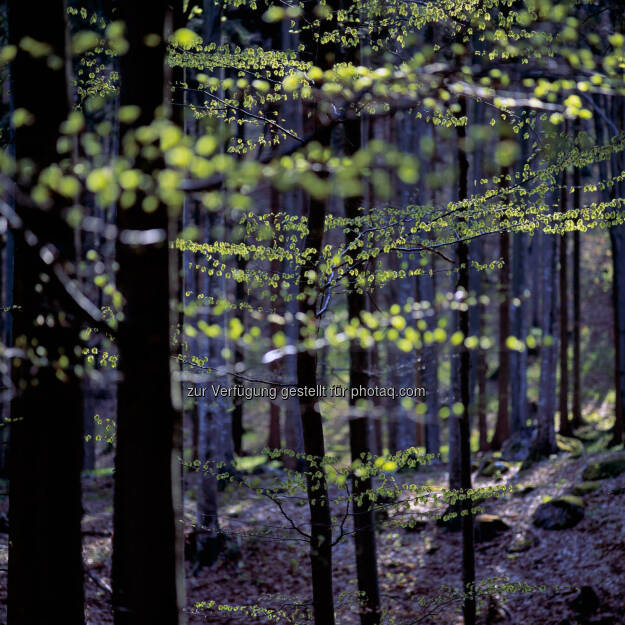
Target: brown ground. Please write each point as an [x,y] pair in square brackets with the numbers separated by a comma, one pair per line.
[412,565]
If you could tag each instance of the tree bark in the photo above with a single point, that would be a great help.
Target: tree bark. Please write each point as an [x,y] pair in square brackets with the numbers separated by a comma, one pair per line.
[429,363]
[464,422]
[565,425]
[314,447]
[46,443]
[544,442]
[238,428]
[617,239]
[577,314]
[148,583]
[360,428]
[518,359]
[216,444]
[274,440]
[323,55]
[502,429]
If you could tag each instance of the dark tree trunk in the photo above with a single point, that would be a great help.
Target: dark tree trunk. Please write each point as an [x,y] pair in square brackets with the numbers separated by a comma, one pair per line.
[147,565]
[214,414]
[617,239]
[429,364]
[360,428]
[274,440]
[577,382]
[46,443]
[518,359]
[481,396]
[312,426]
[323,55]
[464,422]
[292,205]
[502,429]
[238,428]
[565,425]
[544,443]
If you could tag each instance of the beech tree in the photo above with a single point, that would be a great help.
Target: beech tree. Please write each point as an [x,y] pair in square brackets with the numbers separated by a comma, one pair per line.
[147,582]
[46,411]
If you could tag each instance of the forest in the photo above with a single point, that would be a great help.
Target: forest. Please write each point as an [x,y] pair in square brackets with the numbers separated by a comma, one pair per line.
[312,313]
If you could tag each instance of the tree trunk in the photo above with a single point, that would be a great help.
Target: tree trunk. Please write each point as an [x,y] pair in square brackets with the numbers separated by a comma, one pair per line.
[238,428]
[565,425]
[360,428]
[214,417]
[274,440]
[518,359]
[481,395]
[429,363]
[544,443]
[46,443]
[617,239]
[148,583]
[464,422]
[577,382]
[292,205]
[502,429]
[312,426]
[293,433]
[323,55]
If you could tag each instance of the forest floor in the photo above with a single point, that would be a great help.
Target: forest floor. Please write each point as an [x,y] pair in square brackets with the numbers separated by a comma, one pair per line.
[417,564]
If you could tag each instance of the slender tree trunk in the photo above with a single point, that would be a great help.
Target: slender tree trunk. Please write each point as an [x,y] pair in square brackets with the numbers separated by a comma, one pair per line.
[565,425]
[238,428]
[314,447]
[464,422]
[214,417]
[577,382]
[405,134]
[518,359]
[617,239]
[323,55]
[476,253]
[502,429]
[274,439]
[292,205]
[293,432]
[360,429]
[148,583]
[429,364]
[46,443]
[376,364]
[544,443]
[481,396]
[455,460]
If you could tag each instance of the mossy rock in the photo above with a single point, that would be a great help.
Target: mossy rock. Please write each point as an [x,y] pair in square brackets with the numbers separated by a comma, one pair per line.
[559,514]
[521,543]
[604,469]
[522,491]
[492,467]
[570,445]
[585,488]
[586,602]
[587,433]
[489,527]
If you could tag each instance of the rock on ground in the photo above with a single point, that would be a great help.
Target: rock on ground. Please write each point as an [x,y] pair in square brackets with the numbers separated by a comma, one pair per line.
[559,514]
